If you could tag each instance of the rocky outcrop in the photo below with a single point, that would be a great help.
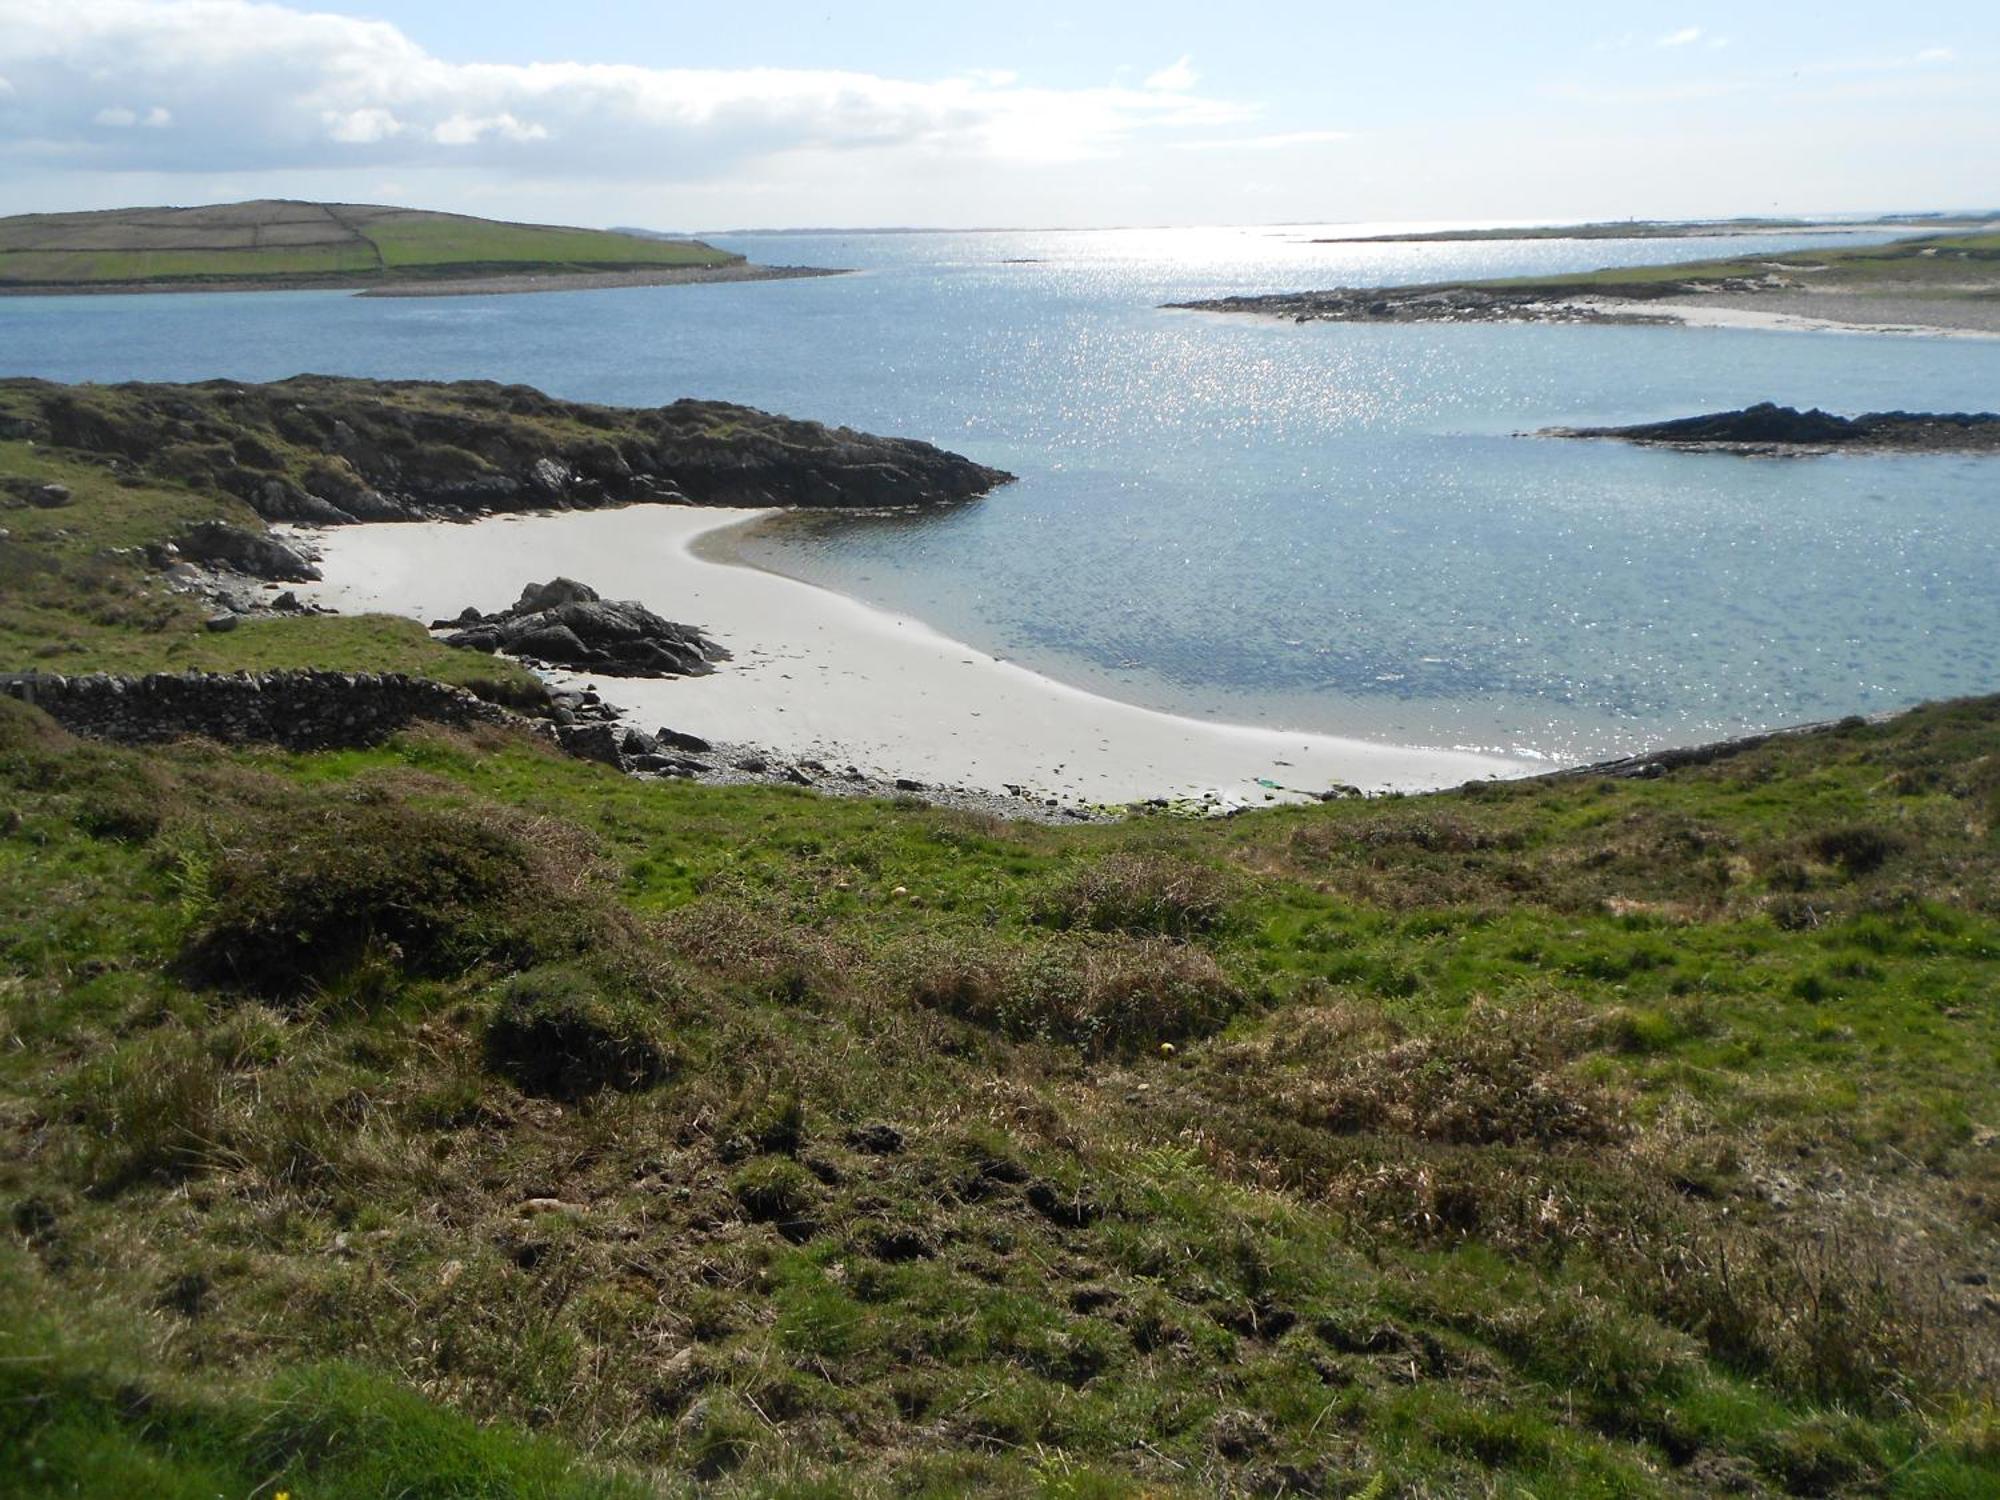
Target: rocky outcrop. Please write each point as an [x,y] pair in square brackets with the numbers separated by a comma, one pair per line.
[1769,428]
[1439,304]
[326,451]
[563,623]
[253,552]
[299,710]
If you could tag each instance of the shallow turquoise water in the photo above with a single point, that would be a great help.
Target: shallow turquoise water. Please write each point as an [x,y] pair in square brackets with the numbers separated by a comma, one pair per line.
[1326,527]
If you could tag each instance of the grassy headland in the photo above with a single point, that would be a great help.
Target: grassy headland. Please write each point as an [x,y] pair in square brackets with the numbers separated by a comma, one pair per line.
[454,1118]
[281,243]
[1664,229]
[1943,282]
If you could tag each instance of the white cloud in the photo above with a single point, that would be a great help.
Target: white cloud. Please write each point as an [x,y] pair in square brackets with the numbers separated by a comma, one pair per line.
[1934,55]
[1686,36]
[1280,142]
[6,88]
[361,127]
[464,130]
[264,87]
[158,118]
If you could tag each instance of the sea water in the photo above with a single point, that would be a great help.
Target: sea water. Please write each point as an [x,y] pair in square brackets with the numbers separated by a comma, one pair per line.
[1326,526]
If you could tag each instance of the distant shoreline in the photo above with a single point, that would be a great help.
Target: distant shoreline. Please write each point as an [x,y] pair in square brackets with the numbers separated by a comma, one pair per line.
[1668,229]
[1933,284]
[468,286]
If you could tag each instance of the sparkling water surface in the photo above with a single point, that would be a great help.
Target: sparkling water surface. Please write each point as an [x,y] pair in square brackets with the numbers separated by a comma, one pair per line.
[1329,527]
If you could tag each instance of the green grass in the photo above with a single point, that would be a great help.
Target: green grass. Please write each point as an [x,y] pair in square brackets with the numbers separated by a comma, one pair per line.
[1519,1155]
[94,267]
[1916,266]
[358,246]
[76,594]
[444,242]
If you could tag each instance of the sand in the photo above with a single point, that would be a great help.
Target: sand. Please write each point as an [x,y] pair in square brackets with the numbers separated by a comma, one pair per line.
[1838,312]
[817,674]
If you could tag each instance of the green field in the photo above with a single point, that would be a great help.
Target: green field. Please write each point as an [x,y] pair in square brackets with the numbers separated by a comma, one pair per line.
[280,242]
[454,1118]
[1967,264]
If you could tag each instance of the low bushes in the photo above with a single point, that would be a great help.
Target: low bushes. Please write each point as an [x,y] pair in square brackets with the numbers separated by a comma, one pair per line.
[310,891]
[564,1033]
[1137,893]
[1101,994]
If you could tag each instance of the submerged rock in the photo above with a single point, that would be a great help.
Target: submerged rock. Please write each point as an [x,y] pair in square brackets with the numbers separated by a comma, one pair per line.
[564,623]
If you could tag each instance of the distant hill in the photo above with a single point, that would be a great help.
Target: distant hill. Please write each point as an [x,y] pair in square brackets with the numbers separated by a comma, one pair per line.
[280,242]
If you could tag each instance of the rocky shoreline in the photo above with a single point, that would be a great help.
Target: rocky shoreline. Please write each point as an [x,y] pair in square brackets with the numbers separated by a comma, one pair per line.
[1431,304]
[323,450]
[1767,429]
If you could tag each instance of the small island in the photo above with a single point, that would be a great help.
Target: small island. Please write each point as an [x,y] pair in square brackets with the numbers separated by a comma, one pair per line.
[284,244]
[1948,283]
[1769,429]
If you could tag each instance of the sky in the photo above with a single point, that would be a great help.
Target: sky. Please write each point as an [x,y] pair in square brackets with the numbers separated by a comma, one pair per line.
[1031,113]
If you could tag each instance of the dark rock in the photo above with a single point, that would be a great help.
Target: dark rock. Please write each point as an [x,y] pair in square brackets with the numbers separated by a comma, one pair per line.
[598,742]
[1768,427]
[566,624]
[49,496]
[673,739]
[906,784]
[299,710]
[246,551]
[755,765]
[222,622]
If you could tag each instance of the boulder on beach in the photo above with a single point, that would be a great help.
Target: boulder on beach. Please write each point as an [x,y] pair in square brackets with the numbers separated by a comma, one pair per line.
[564,623]
[245,551]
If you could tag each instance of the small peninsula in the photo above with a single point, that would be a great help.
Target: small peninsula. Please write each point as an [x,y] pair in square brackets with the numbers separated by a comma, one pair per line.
[1934,283]
[1668,229]
[285,244]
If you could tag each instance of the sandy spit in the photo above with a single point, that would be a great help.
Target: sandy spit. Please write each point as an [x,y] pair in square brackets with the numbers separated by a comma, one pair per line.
[817,674]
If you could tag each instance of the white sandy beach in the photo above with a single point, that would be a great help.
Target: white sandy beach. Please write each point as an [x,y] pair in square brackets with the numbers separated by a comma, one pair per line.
[1797,312]
[818,674]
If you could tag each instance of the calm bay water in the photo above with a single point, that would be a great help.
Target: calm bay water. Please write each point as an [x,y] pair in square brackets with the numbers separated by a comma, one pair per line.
[1324,527]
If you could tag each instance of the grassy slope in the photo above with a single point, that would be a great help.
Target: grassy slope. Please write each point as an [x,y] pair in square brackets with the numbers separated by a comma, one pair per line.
[76,595]
[361,245]
[1565,1138]
[1575,1138]
[1947,265]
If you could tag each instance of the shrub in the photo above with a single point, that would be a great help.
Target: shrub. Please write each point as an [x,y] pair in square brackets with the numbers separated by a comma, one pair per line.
[1501,1078]
[310,891]
[1102,994]
[1858,848]
[1138,893]
[563,1033]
